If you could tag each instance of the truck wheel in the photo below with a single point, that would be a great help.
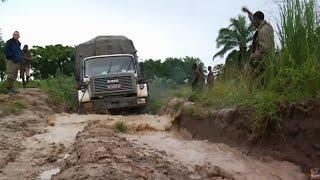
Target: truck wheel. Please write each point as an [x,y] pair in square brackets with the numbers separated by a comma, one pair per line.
[143,110]
[81,109]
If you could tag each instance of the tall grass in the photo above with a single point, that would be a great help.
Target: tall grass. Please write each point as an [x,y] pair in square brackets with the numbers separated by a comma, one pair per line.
[296,68]
[162,91]
[61,89]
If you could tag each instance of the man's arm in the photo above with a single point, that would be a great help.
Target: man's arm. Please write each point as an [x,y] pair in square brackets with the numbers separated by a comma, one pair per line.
[7,50]
[28,56]
[250,14]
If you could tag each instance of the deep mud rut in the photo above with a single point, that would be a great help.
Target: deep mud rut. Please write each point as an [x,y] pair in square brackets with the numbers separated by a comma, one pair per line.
[41,145]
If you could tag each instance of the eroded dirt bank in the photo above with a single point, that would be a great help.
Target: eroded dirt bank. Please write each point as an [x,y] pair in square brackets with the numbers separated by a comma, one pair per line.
[295,143]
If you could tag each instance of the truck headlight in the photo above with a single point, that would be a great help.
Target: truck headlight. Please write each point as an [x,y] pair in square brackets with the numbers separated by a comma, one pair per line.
[141,100]
[83,87]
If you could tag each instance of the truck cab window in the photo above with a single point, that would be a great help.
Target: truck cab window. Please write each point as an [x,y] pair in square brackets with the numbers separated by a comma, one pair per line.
[108,65]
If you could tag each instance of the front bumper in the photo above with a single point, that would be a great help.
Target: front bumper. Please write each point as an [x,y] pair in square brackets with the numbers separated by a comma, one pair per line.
[115,103]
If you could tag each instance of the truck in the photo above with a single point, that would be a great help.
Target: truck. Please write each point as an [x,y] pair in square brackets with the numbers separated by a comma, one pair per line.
[108,76]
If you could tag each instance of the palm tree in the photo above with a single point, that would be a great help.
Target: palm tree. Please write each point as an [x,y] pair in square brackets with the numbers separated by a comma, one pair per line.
[235,39]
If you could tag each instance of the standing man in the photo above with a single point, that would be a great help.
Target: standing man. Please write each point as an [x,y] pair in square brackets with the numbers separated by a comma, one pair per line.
[13,54]
[196,78]
[25,65]
[210,77]
[263,41]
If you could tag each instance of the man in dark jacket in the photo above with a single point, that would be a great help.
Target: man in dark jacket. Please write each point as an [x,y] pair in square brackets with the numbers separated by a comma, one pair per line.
[13,54]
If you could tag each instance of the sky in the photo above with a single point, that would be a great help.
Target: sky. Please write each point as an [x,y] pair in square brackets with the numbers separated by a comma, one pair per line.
[159,29]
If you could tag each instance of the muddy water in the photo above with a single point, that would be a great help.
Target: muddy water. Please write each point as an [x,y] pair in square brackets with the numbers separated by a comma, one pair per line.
[150,131]
[232,161]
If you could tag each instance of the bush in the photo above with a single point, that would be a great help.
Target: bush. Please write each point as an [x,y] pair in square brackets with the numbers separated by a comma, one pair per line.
[61,89]
[121,127]
[163,90]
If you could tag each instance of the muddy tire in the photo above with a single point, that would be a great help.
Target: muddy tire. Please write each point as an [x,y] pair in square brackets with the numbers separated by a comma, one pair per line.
[81,109]
[143,110]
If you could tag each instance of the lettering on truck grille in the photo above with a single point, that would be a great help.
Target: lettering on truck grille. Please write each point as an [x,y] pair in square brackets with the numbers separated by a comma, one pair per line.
[110,84]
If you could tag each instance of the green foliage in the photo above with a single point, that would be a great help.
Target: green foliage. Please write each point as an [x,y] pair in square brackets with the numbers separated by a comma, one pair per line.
[3,89]
[61,89]
[2,60]
[121,127]
[235,38]
[11,108]
[267,117]
[162,93]
[48,59]
[296,67]
[178,70]
[192,111]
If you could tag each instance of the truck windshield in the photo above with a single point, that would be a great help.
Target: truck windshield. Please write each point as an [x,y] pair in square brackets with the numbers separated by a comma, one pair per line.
[108,65]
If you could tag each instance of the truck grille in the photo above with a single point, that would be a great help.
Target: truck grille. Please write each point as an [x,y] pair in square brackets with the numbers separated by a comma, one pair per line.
[113,85]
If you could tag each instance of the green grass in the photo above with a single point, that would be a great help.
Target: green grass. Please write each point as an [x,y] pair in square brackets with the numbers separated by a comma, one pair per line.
[161,94]
[121,127]
[12,108]
[60,89]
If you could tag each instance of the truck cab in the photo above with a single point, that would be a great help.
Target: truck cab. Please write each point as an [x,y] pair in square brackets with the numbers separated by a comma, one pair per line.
[108,76]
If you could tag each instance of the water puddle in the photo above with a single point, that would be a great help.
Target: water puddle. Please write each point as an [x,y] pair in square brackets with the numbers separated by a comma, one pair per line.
[46,175]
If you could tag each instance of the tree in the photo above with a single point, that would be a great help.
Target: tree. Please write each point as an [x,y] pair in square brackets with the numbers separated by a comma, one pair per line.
[150,68]
[188,64]
[48,59]
[177,69]
[235,38]
[2,61]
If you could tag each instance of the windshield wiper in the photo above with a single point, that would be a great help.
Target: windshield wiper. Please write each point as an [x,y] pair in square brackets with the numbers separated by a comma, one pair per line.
[110,67]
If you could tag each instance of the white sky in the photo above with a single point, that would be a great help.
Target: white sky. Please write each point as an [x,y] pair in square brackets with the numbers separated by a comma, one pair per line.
[159,29]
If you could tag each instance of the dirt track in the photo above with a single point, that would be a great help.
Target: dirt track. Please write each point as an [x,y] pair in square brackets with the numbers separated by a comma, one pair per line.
[37,144]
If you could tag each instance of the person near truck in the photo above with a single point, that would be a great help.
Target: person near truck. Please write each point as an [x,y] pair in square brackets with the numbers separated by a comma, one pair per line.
[13,56]
[210,77]
[263,41]
[196,76]
[25,65]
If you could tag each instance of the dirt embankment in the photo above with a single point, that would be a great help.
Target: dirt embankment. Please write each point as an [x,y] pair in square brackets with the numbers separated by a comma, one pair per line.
[21,116]
[297,142]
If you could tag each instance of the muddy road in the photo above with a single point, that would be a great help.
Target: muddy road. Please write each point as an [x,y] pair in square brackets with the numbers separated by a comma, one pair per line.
[39,143]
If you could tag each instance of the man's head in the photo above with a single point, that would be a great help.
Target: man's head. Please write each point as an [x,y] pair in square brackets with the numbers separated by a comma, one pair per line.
[258,18]
[25,47]
[16,35]
[209,68]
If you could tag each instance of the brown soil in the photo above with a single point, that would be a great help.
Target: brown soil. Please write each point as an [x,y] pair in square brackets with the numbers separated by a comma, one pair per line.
[100,153]
[295,143]
[18,125]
